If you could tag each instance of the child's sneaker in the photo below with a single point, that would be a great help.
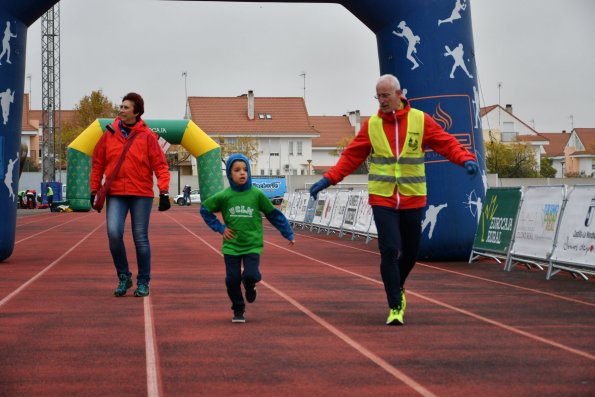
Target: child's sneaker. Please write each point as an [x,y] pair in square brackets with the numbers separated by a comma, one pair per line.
[141,290]
[238,317]
[251,293]
[124,284]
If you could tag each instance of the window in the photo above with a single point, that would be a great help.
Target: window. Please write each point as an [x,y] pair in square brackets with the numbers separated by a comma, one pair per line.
[278,171]
[290,147]
[269,116]
[261,172]
[299,148]
[508,133]
[261,116]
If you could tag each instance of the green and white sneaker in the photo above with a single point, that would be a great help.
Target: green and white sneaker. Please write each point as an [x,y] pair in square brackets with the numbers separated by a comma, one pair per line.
[395,316]
[124,284]
[141,290]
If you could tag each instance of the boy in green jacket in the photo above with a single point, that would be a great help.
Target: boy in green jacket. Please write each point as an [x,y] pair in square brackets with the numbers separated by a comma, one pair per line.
[240,205]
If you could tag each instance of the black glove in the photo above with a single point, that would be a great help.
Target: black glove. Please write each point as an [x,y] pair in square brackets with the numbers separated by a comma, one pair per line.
[92,199]
[471,167]
[322,184]
[164,203]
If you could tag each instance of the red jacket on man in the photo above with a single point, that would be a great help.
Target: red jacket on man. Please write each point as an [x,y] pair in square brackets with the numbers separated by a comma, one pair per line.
[358,150]
[144,157]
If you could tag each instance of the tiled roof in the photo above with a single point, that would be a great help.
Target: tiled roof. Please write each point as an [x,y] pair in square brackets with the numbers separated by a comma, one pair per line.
[229,115]
[332,130]
[558,141]
[485,110]
[587,137]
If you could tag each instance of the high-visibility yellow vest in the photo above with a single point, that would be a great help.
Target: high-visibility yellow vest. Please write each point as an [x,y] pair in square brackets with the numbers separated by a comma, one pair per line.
[408,172]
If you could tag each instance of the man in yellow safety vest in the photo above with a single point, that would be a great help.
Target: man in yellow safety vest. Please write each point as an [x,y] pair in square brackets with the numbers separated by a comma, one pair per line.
[394,139]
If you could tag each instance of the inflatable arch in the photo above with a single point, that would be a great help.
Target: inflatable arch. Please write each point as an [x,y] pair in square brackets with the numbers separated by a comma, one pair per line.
[427,44]
[177,132]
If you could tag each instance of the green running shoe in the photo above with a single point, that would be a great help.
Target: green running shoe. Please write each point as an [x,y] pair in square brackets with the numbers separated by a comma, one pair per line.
[141,290]
[403,299]
[395,316]
[124,284]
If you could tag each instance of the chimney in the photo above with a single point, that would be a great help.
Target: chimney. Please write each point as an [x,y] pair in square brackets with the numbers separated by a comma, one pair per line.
[251,105]
[509,108]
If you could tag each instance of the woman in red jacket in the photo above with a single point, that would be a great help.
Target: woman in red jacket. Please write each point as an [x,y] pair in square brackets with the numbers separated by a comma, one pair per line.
[131,189]
[395,139]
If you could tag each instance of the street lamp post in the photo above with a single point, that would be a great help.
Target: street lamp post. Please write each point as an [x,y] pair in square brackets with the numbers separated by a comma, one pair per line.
[562,163]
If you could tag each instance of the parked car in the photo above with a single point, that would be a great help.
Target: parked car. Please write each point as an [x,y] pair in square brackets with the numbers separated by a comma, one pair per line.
[194,198]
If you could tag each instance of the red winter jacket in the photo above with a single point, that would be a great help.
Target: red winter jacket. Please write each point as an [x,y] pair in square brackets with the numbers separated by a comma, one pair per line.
[144,157]
[358,150]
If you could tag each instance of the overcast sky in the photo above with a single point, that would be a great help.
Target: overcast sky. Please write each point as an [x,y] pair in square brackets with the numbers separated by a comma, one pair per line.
[542,52]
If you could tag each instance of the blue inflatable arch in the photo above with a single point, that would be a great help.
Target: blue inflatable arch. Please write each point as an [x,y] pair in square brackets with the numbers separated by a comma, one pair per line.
[427,44]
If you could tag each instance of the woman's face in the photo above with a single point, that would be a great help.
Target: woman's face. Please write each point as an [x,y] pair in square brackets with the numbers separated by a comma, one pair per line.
[127,112]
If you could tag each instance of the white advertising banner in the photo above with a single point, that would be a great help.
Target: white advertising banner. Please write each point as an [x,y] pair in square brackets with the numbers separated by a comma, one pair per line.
[576,236]
[285,205]
[293,207]
[351,210]
[329,208]
[537,221]
[302,206]
[364,215]
[340,206]
[320,204]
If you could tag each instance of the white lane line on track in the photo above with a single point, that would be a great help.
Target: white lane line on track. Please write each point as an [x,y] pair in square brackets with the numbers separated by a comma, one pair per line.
[47,230]
[462,311]
[47,268]
[359,348]
[536,291]
[153,379]
[37,220]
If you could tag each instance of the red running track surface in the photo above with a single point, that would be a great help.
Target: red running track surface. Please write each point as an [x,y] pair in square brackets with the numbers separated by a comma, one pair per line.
[316,329]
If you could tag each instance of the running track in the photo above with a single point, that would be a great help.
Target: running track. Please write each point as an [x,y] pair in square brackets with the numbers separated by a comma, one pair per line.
[316,329]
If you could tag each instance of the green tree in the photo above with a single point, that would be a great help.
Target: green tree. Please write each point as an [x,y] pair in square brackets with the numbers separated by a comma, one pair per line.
[547,170]
[88,109]
[515,160]
[244,144]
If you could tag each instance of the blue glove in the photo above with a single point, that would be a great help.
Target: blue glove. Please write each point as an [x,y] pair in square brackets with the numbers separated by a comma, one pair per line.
[322,184]
[471,167]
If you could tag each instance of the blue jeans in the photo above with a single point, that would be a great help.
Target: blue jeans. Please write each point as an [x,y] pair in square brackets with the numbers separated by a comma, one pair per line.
[234,277]
[140,212]
[399,236]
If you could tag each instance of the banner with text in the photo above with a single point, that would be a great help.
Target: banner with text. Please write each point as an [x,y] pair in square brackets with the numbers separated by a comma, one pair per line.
[576,236]
[498,217]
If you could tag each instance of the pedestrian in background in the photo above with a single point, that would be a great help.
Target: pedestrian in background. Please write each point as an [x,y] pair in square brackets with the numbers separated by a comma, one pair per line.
[186,192]
[241,205]
[131,189]
[50,195]
[394,139]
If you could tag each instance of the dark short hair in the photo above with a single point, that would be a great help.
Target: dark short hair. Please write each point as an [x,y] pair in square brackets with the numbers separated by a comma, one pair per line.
[137,100]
